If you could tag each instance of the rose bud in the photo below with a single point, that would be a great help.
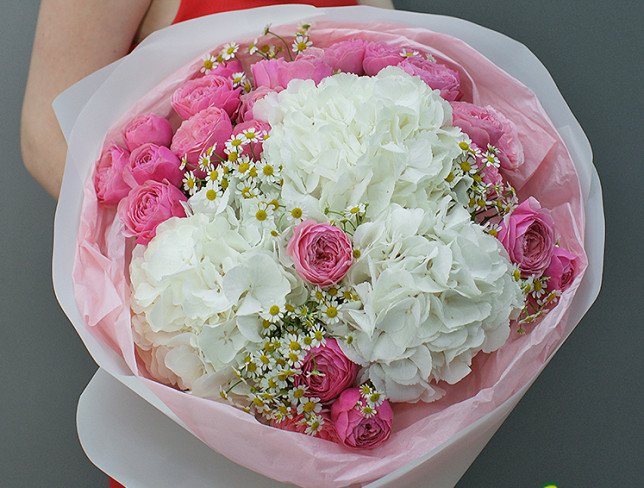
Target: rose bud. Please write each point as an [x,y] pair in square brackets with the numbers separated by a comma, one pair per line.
[227,69]
[254,131]
[201,132]
[437,76]
[309,65]
[562,269]
[378,56]
[326,372]
[322,253]
[248,102]
[484,126]
[147,206]
[527,233]
[147,128]
[210,91]
[346,56]
[297,423]
[354,428]
[108,178]
[152,162]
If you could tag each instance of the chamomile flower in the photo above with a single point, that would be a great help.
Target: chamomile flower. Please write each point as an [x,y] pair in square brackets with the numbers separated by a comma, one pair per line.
[208,63]
[355,211]
[297,393]
[274,314]
[233,154]
[252,134]
[492,228]
[190,183]
[408,53]
[265,361]
[268,172]
[468,166]
[366,409]
[329,312]
[229,50]
[301,43]
[243,168]
[295,215]
[238,79]
[539,287]
[252,47]
[211,192]
[264,214]
[309,405]
[247,189]
[235,142]
[268,327]
[213,174]
[314,424]
[184,162]
[317,336]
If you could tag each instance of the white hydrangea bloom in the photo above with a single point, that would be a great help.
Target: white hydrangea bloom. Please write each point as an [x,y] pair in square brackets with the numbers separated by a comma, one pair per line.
[436,290]
[352,139]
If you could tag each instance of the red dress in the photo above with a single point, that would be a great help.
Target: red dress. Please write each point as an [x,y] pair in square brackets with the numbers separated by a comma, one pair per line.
[191,9]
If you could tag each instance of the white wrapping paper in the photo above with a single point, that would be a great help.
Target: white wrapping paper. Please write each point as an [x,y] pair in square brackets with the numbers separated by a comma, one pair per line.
[138,455]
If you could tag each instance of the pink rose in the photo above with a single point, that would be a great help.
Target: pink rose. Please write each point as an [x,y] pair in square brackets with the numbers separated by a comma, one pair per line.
[353,428]
[309,65]
[326,371]
[486,126]
[346,56]
[562,269]
[147,206]
[261,130]
[108,178]
[152,162]
[266,73]
[202,131]
[322,253]
[248,102]
[147,128]
[437,76]
[528,235]
[210,91]
[297,424]
[226,69]
[378,55]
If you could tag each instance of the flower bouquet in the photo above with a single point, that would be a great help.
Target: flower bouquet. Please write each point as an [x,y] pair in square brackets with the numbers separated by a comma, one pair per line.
[340,244]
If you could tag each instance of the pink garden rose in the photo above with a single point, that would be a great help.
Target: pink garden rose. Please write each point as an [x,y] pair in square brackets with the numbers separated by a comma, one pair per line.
[202,131]
[437,76]
[322,253]
[528,235]
[297,424]
[147,206]
[378,56]
[108,178]
[353,428]
[266,73]
[309,65]
[562,269]
[248,102]
[260,128]
[346,56]
[226,69]
[326,372]
[152,162]
[277,73]
[147,128]
[486,126]
[210,91]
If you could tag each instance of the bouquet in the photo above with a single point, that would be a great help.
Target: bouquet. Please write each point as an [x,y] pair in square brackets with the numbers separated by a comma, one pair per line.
[327,230]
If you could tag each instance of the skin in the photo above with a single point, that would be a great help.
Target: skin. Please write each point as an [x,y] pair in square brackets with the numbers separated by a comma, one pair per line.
[73,39]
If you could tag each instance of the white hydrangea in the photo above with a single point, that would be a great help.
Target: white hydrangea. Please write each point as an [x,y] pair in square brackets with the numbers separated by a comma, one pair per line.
[353,139]
[436,290]
[193,287]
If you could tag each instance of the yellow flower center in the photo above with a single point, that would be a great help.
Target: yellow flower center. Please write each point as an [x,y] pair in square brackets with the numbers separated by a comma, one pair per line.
[296,212]
[208,64]
[211,195]
[243,167]
[268,170]
[261,215]
[274,310]
[294,346]
[309,407]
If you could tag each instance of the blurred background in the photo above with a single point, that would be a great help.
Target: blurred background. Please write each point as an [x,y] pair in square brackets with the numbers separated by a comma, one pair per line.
[580,424]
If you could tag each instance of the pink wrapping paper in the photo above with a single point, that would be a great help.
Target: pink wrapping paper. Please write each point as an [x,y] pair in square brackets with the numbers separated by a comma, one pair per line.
[102,292]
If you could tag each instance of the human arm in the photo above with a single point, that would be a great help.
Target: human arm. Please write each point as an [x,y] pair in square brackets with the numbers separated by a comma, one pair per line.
[73,39]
